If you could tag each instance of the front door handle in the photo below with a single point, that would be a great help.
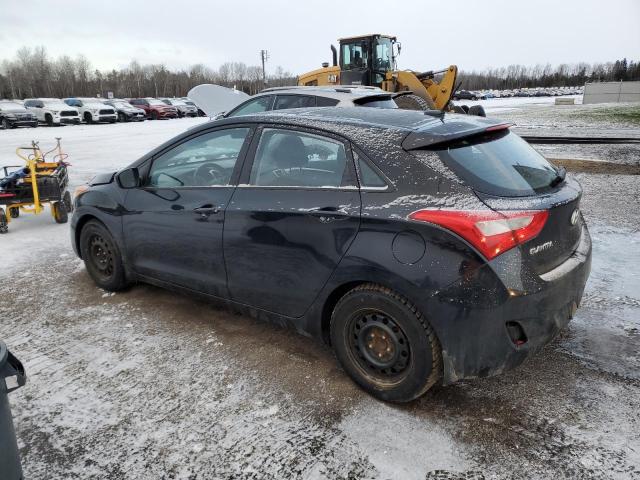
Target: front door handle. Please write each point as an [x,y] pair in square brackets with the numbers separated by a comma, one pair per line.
[205,210]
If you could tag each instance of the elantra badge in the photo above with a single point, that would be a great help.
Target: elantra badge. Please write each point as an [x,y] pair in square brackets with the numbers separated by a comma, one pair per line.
[574,216]
[541,248]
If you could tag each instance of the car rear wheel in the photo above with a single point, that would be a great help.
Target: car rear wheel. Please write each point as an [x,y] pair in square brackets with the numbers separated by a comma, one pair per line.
[5,124]
[102,257]
[385,344]
[414,102]
[121,117]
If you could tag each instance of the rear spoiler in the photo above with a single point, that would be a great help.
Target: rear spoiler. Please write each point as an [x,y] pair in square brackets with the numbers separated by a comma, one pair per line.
[450,130]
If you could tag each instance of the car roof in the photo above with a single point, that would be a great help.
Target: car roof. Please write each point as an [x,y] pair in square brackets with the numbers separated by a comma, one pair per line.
[422,128]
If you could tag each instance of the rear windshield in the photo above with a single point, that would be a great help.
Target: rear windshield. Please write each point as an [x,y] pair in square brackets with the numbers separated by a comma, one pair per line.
[499,163]
[379,101]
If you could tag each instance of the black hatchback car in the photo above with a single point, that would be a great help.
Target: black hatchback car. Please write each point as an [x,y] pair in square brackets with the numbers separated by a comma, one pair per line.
[424,248]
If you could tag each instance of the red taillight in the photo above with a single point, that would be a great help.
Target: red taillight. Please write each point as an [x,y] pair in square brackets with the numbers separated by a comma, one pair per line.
[492,233]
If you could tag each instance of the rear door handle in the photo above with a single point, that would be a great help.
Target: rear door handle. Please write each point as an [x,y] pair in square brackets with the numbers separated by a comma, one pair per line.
[205,210]
[328,214]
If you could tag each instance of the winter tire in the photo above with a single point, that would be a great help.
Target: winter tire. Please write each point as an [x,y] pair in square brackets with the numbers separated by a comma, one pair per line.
[102,257]
[414,102]
[385,343]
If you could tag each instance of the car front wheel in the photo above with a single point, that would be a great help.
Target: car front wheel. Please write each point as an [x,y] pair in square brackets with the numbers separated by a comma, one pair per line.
[385,343]
[102,257]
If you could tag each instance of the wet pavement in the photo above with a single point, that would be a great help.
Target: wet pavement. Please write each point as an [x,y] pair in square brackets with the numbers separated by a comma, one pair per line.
[150,384]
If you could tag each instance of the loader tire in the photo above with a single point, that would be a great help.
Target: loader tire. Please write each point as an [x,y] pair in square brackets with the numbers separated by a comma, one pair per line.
[14,212]
[414,102]
[60,212]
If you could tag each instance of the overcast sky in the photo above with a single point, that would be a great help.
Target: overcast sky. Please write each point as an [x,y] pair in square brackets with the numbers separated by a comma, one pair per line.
[297,34]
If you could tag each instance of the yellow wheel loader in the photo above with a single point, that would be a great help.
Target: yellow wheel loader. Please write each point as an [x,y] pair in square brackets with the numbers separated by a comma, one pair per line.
[370,60]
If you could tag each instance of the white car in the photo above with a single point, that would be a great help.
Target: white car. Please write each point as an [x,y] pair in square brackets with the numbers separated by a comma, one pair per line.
[92,110]
[52,111]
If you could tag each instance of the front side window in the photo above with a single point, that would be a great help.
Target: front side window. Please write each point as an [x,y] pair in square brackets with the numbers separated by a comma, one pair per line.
[355,55]
[294,101]
[286,158]
[204,161]
[256,105]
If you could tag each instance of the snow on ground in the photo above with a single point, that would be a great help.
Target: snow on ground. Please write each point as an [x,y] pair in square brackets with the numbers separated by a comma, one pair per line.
[151,384]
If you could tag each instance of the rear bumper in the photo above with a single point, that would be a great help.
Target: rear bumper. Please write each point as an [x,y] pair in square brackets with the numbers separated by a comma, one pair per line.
[473,330]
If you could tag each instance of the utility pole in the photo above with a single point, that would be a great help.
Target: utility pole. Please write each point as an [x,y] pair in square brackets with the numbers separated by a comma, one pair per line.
[264,55]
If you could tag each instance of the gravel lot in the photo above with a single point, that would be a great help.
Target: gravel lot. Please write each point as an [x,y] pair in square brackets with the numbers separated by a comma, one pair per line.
[149,384]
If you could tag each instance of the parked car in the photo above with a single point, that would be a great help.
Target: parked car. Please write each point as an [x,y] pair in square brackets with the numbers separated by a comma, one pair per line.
[126,112]
[92,110]
[52,111]
[465,95]
[423,248]
[188,101]
[154,109]
[14,115]
[183,108]
[279,98]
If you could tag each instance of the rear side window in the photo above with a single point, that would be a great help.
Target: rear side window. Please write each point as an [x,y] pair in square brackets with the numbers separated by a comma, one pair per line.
[369,178]
[326,102]
[499,164]
[379,101]
[294,101]
[257,105]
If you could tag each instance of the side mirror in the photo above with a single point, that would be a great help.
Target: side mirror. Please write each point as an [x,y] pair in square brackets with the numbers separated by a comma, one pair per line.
[219,115]
[129,178]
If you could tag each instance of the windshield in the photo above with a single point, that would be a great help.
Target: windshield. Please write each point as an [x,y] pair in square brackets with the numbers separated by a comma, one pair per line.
[55,104]
[383,54]
[153,101]
[500,164]
[122,105]
[177,102]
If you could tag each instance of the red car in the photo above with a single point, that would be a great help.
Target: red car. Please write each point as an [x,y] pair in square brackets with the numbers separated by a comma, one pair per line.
[154,108]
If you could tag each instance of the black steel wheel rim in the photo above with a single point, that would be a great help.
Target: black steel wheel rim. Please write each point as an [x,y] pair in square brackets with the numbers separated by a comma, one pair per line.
[378,344]
[101,256]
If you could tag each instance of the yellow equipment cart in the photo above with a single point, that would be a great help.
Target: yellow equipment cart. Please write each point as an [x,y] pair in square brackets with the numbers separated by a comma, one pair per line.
[29,188]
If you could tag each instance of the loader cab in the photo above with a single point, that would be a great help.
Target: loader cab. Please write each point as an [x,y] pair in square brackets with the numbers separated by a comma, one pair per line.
[366,60]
